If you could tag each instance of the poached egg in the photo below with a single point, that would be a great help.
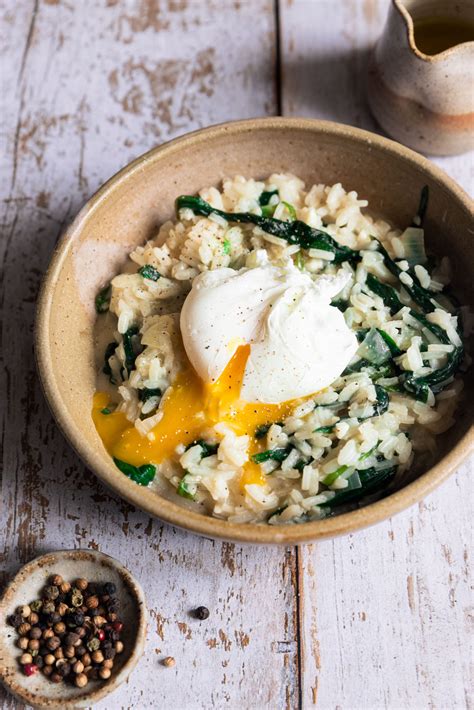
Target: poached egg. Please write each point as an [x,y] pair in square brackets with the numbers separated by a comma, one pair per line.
[299,343]
[258,341]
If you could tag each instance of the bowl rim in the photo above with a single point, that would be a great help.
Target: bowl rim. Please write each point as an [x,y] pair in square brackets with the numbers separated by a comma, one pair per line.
[165,509]
[85,698]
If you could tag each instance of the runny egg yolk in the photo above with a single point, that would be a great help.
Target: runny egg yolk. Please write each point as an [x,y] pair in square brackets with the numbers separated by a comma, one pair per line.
[189,407]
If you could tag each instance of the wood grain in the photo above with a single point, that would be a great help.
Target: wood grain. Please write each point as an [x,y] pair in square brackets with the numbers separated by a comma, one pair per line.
[378,619]
[385,613]
[88,87]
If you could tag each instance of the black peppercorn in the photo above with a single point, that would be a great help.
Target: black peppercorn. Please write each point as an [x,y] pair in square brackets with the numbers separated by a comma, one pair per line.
[15,620]
[78,618]
[71,626]
[51,592]
[201,613]
[48,607]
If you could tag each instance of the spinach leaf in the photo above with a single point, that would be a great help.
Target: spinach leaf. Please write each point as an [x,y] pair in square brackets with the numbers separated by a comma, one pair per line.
[146,393]
[421,296]
[102,300]
[394,349]
[422,207]
[261,431]
[296,232]
[383,400]
[183,490]
[109,351]
[131,352]
[149,272]
[272,455]
[340,304]
[143,475]
[325,429]
[266,196]
[371,480]
[206,449]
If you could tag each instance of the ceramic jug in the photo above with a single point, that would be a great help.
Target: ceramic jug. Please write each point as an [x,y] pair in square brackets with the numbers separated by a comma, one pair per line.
[425,101]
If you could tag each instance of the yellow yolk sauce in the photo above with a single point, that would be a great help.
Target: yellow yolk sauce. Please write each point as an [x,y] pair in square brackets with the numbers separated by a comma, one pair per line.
[189,407]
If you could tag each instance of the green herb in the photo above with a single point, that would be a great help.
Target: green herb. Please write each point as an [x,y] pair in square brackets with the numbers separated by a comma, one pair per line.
[437,380]
[421,296]
[149,272]
[261,431]
[206,449]
[296,232]
[183,489]
[371,480]
[264,202]
[109,351]
[106,410]
[290,209]
[299,465]
[146,393]
[266,196]
[324,429]
[340,304]
[299,261]
[272,455]
[278,511]
[143,475]
[387,293]
[383,400]
[422,207]
[394,349]
[226,247]
[131,353]
[102,300]
[331,477]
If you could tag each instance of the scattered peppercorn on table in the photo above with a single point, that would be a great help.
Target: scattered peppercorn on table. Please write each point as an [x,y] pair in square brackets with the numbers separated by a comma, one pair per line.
[93,86]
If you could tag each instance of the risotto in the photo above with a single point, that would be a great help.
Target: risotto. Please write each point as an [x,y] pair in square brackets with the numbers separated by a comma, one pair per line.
[291,458]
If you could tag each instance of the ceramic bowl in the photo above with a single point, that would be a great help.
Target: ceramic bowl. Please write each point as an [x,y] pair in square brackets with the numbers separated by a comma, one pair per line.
[128,208]
[37,690]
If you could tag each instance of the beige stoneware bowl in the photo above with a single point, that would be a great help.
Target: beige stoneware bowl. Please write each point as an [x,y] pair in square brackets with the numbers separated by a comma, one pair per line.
[128,208]
[37,690]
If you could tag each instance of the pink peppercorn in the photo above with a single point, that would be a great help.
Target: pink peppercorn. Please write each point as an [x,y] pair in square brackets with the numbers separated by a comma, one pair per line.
[101,635]
[30,669]
[117,626]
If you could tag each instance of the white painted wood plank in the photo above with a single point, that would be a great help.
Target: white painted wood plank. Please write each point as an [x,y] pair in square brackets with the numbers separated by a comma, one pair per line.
[86,87]
[324,53]
[384,612]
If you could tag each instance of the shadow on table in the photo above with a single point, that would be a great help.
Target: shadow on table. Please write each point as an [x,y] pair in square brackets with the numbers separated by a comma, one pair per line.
[329,86]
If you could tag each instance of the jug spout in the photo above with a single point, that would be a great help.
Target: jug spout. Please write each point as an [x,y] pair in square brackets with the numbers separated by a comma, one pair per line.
[421,75]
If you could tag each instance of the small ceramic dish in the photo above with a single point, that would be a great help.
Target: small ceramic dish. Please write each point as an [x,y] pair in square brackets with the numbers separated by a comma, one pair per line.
[127,211]
[39,691]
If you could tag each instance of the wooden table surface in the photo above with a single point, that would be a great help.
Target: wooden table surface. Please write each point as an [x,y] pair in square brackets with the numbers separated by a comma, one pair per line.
[378,619]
